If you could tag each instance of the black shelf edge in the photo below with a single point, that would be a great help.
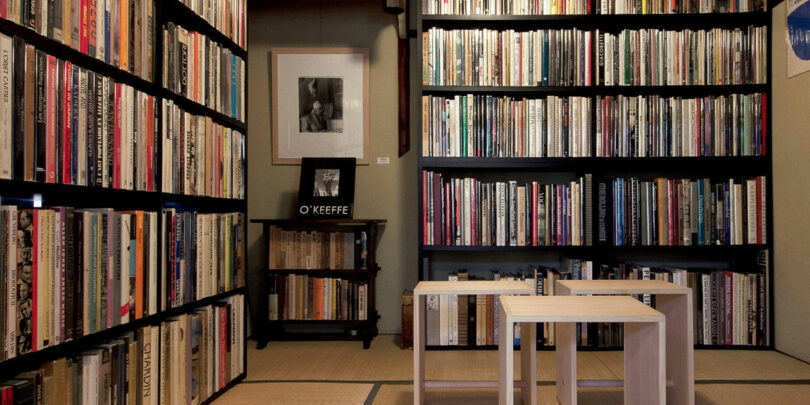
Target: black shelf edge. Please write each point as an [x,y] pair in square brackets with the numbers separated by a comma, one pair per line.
[79,196]
[369,322]
[602,164]
[176,11]
[76,346]
[64,52]
[238,379]
[193,107]
[595,349]
[666,91]
[596,249]
[617,21]
[327,272]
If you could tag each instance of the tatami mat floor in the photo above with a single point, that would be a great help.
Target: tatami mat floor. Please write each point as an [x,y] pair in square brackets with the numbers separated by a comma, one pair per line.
[344,373]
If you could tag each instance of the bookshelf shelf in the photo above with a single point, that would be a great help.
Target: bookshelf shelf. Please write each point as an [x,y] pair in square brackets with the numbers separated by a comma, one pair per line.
[14,365]
[190,20]
[718,164]
[668,91]
[196,108]
[351,273]
[441,260]
[614,21]
[92,196]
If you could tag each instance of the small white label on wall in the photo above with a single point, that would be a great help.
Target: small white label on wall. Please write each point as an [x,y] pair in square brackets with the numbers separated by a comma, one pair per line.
[384,160]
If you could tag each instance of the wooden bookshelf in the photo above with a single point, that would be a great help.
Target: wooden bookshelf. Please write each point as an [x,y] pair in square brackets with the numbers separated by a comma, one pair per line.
[714,167]
[21,193]
[340,329]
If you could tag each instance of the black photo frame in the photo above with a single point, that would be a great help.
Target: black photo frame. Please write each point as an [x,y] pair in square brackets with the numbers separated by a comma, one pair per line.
[326,188]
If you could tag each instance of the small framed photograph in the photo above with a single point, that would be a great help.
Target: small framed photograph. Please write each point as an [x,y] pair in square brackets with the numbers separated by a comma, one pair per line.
[320,103]
[326,188]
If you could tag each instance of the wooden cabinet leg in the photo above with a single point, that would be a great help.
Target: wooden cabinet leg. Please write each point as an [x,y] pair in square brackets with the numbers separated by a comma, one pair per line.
[644,363]
[566,355]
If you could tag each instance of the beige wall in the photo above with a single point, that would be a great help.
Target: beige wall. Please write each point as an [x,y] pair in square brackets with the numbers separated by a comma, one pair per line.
[382,191]
[791,195]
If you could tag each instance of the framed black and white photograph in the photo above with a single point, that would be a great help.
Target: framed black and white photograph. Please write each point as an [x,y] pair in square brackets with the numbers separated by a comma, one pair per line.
[326,188]
[319,103]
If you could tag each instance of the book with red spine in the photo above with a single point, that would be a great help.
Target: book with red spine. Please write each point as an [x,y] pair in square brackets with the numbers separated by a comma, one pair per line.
[223,343]
[67,144]
[83,35]
[447,211]
[50,124]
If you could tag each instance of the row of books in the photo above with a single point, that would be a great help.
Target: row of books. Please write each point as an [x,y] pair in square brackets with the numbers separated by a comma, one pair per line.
[204,255]
[65,124]
[469,212]
[679,6]
[505,7]
[655,57]
[486,57]
[487,126]
[183,360]
[555,7]
[201,157]
[67,273]
[655,126]
[303,298]
[203,71]
[117,32]
[228,16]
[317,250]
[729,307]
[682,212]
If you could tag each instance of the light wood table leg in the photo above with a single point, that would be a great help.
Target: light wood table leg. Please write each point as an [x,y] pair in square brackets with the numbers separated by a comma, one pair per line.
[505,352]
[528,363]
[419,350]
[680,346]
[644,363]
[566,354]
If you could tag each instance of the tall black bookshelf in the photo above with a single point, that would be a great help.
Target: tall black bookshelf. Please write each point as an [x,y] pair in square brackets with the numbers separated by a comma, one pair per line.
[600,167]
[22,193]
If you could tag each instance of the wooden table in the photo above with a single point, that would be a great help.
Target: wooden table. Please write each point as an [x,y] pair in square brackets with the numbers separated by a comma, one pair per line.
[644,362]
[472,287]
[675,302]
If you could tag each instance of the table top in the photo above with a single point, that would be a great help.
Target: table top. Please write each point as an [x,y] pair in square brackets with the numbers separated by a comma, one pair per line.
[578,309]
[473,287]
[621,287]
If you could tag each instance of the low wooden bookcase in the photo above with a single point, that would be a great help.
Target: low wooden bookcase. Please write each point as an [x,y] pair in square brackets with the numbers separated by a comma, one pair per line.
[306,255]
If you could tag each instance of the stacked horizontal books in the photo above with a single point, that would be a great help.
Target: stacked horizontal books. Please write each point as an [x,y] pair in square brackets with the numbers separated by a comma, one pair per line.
[184,360]
[468,212]
[487,126]
[682,212]
[201,157]
[67,273]
[227,16]
[506,58]
[203,71]
[117,32]
[317,250]
[655,126]
[654,57]
[678,6]
[304,298]
[505,7]
[204,255]
[65,124]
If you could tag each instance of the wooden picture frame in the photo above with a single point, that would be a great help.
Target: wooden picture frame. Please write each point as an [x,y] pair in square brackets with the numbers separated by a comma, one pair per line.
[319,103]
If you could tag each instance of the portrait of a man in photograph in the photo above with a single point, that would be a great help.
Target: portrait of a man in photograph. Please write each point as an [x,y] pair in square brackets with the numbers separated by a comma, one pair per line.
[320,106]
[327,182]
